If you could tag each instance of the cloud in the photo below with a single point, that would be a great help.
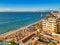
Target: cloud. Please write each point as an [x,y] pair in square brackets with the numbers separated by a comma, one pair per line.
[18,9]
[5,9]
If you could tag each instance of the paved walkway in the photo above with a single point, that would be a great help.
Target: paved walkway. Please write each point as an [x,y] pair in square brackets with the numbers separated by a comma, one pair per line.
[27,36]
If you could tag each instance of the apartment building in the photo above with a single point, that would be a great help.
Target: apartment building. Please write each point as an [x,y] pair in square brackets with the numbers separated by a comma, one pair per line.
[57,15]
[49,24]
[58,25]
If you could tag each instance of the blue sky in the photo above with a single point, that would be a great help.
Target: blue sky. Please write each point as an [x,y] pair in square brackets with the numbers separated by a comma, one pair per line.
[29,5]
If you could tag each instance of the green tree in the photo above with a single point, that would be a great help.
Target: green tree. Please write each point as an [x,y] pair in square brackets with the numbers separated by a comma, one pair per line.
[34,28]
[12,42]
[51,43]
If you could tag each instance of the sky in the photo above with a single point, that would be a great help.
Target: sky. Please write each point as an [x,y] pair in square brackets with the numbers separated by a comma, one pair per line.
[29,5]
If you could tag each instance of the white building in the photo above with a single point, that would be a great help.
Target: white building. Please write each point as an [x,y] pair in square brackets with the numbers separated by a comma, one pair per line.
[49,24]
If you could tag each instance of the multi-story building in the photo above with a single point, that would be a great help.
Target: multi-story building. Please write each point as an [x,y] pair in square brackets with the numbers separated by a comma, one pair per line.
[57,15]
[44,24]
[58,25]
[49,24]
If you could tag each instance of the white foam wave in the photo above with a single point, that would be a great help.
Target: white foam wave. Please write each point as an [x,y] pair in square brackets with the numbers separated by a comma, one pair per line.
[3,22]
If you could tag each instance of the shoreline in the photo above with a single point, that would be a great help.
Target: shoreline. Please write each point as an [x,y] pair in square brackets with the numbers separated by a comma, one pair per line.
[13,31]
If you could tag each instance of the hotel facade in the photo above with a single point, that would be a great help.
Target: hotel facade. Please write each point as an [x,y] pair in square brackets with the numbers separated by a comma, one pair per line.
[49,25]
[57,15]
[52,23]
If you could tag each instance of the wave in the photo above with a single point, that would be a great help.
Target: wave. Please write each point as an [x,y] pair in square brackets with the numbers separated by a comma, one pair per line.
[3,22]
[15,21]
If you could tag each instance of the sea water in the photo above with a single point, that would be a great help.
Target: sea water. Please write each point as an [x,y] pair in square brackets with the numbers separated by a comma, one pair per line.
[14,20]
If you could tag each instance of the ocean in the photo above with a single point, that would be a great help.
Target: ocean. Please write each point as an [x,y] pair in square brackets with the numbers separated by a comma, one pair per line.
[14,20]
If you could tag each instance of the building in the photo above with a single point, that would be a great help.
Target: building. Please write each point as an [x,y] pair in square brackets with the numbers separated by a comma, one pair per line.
[44,24]
[58,25]
[49,24]
[57,15]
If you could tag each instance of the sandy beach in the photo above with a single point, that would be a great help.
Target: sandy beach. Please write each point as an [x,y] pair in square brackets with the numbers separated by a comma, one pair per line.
[14,31]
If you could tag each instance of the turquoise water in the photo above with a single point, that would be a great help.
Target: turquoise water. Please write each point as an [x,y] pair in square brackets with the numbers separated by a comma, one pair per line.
[14,20]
